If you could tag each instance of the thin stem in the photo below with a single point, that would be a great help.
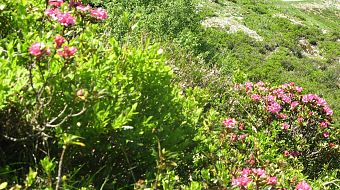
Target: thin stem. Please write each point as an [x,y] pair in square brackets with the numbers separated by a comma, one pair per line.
[60,168]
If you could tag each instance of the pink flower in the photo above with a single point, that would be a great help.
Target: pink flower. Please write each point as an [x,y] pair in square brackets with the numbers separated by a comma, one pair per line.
[278,91]
[286,153]
[285,126]
[229,122]
[274,107]
[242,137]
[55,3]
[294,104]
[332,145]
[326,134]
[99,13]
[328,110]
[270,98]
[260,83]
[241,126]
[259,172]
[249,86]
[52,13]
[300,120]
[272,180]
[74,3]
[38,49]
[59,40]
[298,89]
[84,8]
[66,19]
[241,181]
[321,101]
[303,186]
[310,98]
[284,86]
[255,97]
[245,172]
[282,116]
[286,98]
[323,124]
[233,138]
[68,52]
[263,89]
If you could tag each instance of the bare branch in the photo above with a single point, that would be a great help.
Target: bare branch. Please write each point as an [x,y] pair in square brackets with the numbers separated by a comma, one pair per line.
[58,116]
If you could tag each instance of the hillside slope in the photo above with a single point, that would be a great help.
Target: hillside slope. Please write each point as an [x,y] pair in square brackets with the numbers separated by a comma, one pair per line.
[279,42]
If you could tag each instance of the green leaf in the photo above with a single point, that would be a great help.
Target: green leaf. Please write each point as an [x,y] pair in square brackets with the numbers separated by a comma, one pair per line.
[79,143]
[30,177]
[3,185]
[2,7]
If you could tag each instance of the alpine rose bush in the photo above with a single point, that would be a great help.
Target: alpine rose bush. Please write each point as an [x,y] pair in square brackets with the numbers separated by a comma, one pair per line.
[99,13]
[304,121]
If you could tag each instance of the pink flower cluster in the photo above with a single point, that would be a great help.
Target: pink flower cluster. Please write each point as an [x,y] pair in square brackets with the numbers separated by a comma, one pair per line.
[234,137]
[274,107]
[65,19]
[67,52]
[59,40]
[258,175]
[303,186]
[39,49]
[99,14]
[286,101]
[229,122]
[315,99]
[55,3]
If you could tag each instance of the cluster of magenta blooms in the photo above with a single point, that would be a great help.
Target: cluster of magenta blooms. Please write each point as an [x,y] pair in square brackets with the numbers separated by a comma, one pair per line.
[65,19]
[287,105]
[259,177]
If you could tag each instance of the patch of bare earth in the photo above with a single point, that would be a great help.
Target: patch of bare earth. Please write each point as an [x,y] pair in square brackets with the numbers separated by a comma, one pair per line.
[232,26]
[318,5]
[309,50]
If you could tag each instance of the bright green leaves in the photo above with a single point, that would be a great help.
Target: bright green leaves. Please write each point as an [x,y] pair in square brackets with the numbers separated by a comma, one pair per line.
[3,185]
[68,139]
[48,165]
[30,178]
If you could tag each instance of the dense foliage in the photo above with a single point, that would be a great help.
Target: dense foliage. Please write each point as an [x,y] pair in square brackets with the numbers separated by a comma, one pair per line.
[137,94]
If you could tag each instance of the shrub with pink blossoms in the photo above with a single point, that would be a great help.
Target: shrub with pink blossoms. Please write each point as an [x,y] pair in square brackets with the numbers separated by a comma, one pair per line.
[303,121]
[256,176]
[229,122]
[55,3]
[39,49]
[65,19]
[303,186]
[52,13]
[242,181]
[67,52]
[272,180]
[59,40]
[84,8]
[99,13]
[274,107]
